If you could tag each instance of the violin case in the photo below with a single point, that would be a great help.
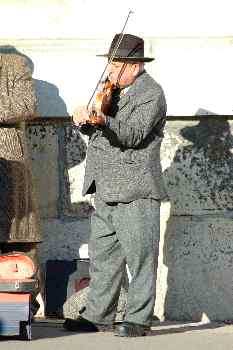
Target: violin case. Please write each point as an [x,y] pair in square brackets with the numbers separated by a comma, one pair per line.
[17,273]
[17,283]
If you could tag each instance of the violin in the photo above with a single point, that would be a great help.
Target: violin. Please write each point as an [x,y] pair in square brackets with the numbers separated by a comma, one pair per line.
[102,101]
[103,98]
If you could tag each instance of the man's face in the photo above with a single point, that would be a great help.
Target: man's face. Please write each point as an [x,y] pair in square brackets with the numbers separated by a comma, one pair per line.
[122,73]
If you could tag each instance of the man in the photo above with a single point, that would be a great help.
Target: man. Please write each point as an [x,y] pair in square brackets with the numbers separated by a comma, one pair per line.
[123,168]
[19,219]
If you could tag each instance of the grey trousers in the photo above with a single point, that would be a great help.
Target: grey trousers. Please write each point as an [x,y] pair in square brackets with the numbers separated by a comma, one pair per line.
[123,233]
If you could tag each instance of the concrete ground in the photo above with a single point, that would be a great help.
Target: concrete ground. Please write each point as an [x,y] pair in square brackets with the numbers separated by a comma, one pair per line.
[167,335]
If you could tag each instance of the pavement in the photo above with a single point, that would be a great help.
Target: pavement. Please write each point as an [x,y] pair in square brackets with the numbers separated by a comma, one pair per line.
[50,335]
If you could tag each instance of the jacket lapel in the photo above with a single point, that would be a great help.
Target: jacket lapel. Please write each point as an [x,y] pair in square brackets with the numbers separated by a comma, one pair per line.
[123,101]
[130,93]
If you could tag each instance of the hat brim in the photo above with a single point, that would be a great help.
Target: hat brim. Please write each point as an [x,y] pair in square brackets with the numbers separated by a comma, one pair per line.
[132,59]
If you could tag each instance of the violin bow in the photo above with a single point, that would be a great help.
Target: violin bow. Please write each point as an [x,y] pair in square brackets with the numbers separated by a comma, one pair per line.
[111,58]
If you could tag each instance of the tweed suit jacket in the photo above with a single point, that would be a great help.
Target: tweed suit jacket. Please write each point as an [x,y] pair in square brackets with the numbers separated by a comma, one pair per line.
[123,159]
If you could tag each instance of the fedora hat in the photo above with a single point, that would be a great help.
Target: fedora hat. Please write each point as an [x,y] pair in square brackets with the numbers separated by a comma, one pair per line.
[131,48]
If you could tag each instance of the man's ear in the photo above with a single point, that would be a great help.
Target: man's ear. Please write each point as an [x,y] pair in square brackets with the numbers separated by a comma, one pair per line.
[136,69]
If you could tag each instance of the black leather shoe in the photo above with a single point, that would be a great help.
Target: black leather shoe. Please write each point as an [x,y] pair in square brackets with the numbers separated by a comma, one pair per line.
[80,324]
[129,329]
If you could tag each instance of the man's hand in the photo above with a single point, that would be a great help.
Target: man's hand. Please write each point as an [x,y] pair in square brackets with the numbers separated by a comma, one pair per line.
[80,116]
[97,119]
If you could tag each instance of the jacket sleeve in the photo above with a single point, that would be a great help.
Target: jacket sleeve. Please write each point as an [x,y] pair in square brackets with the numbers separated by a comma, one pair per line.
[87,129]
[17,101]
[146,117]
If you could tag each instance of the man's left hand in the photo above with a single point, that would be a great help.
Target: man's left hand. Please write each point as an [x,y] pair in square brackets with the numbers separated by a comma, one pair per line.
[97,119]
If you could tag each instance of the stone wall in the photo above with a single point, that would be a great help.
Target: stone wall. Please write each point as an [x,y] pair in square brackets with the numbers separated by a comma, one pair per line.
[193,50]
[196,256]
[58,160]
[196,248]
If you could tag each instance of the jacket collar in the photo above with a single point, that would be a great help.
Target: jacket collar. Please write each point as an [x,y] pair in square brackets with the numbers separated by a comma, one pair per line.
[131,91]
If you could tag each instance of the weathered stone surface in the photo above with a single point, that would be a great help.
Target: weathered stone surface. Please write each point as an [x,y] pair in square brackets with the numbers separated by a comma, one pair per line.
[62,239]
[198,162]
[73,147]
[197,169]
[162,270]
[43,146]
[58,163]
[195,262]
[196,248]
[198,253]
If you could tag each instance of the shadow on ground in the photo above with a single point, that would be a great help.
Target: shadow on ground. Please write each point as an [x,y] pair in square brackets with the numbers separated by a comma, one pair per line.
[54,329]
[173,327]
[42,330]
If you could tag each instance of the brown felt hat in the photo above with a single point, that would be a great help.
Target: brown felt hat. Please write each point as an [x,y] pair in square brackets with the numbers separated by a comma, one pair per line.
[131,48]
